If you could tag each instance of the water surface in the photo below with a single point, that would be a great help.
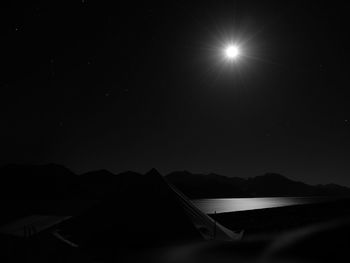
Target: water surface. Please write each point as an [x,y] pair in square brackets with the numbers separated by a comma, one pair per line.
[223,205]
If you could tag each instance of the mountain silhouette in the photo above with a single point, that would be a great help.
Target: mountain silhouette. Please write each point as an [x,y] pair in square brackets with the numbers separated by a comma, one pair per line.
[267,185]
[55,182]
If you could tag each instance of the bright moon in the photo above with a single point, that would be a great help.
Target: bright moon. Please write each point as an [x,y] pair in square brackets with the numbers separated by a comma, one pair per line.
[232,52]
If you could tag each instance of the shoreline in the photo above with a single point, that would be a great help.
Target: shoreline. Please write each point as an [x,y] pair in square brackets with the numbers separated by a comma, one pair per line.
[280,219]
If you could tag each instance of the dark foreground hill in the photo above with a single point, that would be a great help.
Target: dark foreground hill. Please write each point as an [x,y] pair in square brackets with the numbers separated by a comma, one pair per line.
[213,185]
[51,181]
[132,217]
[128,211]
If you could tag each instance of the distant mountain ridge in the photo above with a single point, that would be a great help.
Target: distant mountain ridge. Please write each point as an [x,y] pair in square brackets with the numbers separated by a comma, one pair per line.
[54,181]
[267,185]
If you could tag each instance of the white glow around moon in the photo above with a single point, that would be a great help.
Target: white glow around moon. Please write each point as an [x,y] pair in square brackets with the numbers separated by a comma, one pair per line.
[232,52]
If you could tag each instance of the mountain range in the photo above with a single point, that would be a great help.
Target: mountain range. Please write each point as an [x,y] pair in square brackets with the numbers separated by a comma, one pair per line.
[53,181]
[267,185]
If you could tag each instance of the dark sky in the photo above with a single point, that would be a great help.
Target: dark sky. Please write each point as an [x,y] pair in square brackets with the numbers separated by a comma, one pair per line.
[129,86]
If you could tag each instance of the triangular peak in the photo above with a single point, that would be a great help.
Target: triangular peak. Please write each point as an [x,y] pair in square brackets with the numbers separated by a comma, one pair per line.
[153,172]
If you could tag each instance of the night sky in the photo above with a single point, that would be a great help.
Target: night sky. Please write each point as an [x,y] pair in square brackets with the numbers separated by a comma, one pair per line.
[131,86]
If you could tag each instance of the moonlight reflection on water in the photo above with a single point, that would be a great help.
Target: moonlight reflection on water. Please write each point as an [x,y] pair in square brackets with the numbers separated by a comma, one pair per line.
[223,205]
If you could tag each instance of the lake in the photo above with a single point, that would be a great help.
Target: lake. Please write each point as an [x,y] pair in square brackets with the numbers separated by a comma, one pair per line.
[223,205]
